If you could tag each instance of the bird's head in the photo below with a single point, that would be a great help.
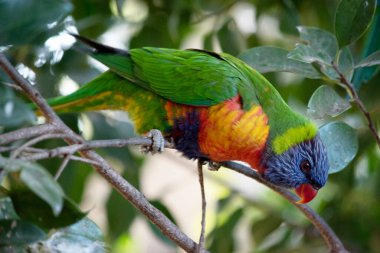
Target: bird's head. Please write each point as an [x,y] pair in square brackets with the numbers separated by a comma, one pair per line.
[303,167]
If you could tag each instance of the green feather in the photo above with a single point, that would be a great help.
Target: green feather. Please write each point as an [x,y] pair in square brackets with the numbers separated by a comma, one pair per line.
[109,91]
[201,78]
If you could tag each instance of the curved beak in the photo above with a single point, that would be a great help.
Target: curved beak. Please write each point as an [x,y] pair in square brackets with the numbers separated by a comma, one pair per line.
[306,192]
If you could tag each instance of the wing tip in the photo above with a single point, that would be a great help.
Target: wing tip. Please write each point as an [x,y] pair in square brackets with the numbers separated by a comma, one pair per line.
[95,47]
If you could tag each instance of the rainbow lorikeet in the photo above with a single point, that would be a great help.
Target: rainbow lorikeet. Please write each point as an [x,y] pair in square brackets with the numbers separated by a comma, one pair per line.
[213,106]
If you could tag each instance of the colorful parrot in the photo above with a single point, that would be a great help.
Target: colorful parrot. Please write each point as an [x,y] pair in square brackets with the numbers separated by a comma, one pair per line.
[213,106]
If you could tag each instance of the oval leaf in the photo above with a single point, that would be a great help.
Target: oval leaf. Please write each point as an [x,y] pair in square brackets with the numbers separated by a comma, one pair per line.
[346,63]
[306,54]
[7,212]
[84,235]
[17,232]
[322,42]
[273,59]
[37,179]
[32,208]
[341,142]
[326,102]
[13,110]
[352,18]
[371,60]
[230,39]
[43,185]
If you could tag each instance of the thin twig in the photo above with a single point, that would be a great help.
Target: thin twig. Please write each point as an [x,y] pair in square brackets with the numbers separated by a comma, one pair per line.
[25,150]
[62,167]
[201,242]
[13,86]
[87,145]
[139,201]
[35,141]
[354,95]
[83,160]
[27,132]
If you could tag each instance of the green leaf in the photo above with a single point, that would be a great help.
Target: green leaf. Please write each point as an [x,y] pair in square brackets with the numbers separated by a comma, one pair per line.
[43,185]
[13,110]
[273,59]
[352,19]
[320,49]
[32,208]
[371,60]
[345,63]
[220,242]
[322,42]
[18,233]
[277,237]
[341,142]
[84,235]
[208,41]
[318,46]
[263,227]
[326,102]
[307,54]
[371,45]
[85,228]
[23,22]
[7,211]
[230,38]
[37,179]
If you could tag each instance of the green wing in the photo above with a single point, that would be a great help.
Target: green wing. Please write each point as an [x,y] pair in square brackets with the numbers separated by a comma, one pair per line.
[190,77]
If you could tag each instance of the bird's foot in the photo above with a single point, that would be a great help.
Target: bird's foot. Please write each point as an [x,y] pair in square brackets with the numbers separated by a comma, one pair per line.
[158,142]
[213,166]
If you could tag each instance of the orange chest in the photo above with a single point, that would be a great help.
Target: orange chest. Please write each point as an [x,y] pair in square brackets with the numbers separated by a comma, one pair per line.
[221,132]
[229,133]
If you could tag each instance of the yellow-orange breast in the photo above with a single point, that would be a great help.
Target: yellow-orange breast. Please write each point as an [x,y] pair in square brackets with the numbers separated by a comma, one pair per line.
[221,132]
[228,132]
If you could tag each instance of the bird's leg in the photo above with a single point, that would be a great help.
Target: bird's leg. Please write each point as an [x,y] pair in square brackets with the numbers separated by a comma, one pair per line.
[158,142]
[201,243]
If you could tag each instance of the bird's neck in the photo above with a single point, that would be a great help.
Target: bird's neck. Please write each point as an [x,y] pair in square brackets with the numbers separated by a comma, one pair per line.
[287,127]
[227,132]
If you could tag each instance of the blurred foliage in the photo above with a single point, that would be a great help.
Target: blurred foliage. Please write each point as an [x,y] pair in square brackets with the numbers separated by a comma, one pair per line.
[261,32]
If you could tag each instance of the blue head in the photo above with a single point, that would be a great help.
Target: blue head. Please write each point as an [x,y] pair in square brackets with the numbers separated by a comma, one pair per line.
[303,166]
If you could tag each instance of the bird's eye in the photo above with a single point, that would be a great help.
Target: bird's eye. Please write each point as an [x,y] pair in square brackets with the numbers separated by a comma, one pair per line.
[305,166]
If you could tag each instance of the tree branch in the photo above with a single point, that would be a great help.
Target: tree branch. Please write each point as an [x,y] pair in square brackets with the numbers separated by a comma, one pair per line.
[327,233]
[87,145]
[354,95]
[319,223]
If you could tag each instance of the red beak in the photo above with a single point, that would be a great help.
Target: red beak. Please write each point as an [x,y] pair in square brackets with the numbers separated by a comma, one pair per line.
[306,192]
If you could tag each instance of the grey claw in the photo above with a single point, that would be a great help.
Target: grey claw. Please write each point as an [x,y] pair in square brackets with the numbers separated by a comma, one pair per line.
[214,166]
[158,142]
